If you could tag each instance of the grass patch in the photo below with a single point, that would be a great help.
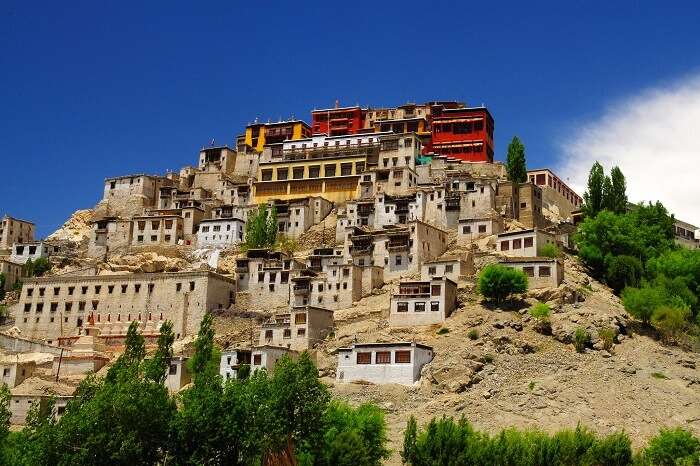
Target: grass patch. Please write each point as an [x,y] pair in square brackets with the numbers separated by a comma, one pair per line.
[443,331]
[659,375]
[473,334]
[488,358]
[531,386]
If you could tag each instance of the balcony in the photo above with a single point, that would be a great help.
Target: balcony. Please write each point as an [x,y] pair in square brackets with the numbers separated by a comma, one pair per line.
[397,247]
[361,249]
[301,290]
[272,264]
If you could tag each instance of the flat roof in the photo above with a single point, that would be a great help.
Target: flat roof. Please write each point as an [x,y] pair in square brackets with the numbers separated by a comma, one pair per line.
[8,217]
[528,259]
[125,276]
[384,345]
[518,232]
[225,219]
[338,109]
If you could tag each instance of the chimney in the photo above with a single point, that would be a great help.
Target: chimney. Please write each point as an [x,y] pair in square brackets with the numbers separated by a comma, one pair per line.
[337,103]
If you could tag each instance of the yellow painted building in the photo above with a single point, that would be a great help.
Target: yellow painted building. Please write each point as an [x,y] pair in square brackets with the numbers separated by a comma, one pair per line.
[335,178]
[257,135]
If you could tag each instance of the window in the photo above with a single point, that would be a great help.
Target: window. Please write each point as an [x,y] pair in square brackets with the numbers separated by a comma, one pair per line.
[398,260]
[94,306]
[268,334]
[505,245]
[30,291]
[287,333]
[435,290]
[402,357]
[434,306]
[466,229]
[402,307]
[301,332]
[27,307]
[346,169]
[449,268]
[41,291]
[528,242]
[482,228]
[517,243]
[173,369]
[545,271]
[98,288]
[329,170]
[431,270]
[54,307]
[419,307]
[124,288]
[178,287]
[314,171]
[529,271]
[383,357]
[364,357]
[39,307]
[137,287]
[300,318]
[271,287]
[81,306]
[282,173]
[267,175]
[298,173]
[191,286]
[56,291]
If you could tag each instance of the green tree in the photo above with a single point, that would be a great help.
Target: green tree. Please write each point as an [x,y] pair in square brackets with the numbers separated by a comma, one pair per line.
[261,228]
[550,250]
[2,286]
[593,197]
[157,367]
[497,282]
[271,227]
[617,198]
[607,194]
[41,266]
[670,320]
[623,271]
[516,165]
[5,413]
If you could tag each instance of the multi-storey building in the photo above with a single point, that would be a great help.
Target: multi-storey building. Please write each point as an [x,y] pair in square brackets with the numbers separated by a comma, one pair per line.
[338,121]
[109,234]
[524,243]
[399,249]
[220,232]
[13,230]
[686,235]
[12,272]
[299,329]
[337,286]
[463,133]
[452,267]
[557,196]
[258,135]
[424,302]
[56,307]
[220,159]
[295,217]
[22,252]
[231,361]
[329,167]
[264,277]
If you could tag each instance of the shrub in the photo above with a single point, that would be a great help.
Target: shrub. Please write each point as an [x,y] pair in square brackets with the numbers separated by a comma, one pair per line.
[443,331]
[613,450]
[581,339]
[671,447]
[642,302]
[497,282]
[487,358]
[670,320]
[550,250]
[540,311]
[473,334]
[531,386]
[2,285]
[607,336]
[659,375]
[623,271]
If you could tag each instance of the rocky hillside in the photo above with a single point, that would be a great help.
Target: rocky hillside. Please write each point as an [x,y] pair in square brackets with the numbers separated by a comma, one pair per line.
[493,366]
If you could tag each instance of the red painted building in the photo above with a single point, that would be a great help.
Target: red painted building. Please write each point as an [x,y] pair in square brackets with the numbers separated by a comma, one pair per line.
[338,121]
[462,133]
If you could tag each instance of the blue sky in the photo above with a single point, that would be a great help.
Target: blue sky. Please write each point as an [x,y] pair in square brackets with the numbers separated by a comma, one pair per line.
[96,89]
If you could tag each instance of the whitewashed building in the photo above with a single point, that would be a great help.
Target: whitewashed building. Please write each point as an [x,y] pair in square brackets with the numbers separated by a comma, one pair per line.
[22,252]
[231,361]
[423,302]
[382,363]
[266,357]
[524,243]
[220,232]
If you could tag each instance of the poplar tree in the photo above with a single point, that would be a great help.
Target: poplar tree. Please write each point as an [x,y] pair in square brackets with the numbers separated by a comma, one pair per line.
[516,166]
[618,192]
[593,197]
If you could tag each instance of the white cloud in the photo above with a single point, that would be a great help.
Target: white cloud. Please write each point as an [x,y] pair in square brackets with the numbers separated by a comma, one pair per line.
[654,137]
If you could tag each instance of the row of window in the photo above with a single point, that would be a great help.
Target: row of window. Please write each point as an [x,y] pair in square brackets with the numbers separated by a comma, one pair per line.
[467,229]
[286,333]
[543,271]
[418,306]
[98,289]
[79,319]
[154,238]
[517,243]
[384,357]
[449,268]
[314,171]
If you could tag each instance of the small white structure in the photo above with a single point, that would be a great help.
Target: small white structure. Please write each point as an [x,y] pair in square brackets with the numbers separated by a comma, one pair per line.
[266,357]
[178,374]
[14,372]
[541,272]
[22,252]
[381,363]
[423,302]
[298,329]
[452,267]
[524,243]
[480,227]
[220,232]
[232,360]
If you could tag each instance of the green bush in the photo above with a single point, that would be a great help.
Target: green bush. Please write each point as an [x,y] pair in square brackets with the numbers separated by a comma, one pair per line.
[607,336]
[443,331]
[623,271]
[672,447]
[550,250]
[642,302]
[581,339]
[497,282]
[670,321]
[540,311]
[473,334]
